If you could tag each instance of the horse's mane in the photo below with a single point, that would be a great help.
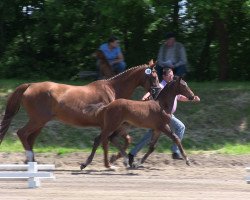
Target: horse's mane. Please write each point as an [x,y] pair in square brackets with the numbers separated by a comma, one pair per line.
[128,70]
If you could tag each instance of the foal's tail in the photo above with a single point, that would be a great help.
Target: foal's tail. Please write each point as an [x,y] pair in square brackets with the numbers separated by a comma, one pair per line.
[93,109]
[13,105]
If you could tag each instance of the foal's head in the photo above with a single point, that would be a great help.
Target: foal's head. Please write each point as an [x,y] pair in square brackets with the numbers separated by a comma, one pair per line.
[183,89]
[176,87]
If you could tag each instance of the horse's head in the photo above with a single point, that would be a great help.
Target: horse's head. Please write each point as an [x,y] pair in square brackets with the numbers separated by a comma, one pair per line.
[168,94]
[104,66]
[100,55]
[183,89]
[149,77]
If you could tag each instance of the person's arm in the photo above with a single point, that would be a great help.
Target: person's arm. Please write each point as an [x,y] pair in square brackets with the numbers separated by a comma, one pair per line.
[145,97]
[182,57]
[120,58]
[183,98]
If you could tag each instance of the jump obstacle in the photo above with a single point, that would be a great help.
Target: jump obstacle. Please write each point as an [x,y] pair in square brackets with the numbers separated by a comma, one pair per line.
[248,177]
[14,172]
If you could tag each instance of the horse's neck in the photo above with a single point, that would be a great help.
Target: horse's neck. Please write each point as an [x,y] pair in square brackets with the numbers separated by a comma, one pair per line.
[167,98]
[125,84]
[104,62]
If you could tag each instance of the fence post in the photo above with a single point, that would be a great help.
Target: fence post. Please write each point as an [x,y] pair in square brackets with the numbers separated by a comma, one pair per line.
[33,182]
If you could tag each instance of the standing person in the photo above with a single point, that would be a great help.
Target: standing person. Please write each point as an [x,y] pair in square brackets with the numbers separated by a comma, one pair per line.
[172,54]
[175,124]
[114,55]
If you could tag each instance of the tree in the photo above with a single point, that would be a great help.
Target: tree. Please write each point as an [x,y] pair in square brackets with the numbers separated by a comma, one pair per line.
[54,39]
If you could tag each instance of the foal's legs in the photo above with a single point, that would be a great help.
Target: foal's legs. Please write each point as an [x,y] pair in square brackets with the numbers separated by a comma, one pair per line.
[122,149]
[105,145]
[105,134]
[167,131]
[113,139]
[154,139]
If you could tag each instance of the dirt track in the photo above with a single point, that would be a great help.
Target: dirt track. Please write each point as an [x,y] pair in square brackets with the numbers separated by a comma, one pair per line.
[211,176]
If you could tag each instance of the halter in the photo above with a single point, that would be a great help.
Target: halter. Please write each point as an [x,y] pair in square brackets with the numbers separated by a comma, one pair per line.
[155,91]
[148,72]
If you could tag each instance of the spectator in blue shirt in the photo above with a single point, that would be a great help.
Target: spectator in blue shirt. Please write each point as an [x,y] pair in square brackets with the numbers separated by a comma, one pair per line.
[114,55]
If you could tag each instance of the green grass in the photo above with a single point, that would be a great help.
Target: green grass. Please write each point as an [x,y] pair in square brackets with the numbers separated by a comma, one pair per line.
[220,122]
[235,149]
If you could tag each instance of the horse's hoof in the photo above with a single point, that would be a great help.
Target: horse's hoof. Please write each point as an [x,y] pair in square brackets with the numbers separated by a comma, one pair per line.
[126,162]
[136,165]
[113,158]
[111,168]
[82,166]
[188,162]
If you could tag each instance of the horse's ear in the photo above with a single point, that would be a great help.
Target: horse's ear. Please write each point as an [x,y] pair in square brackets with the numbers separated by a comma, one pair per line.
[177,78]
[151,63]
[99,54]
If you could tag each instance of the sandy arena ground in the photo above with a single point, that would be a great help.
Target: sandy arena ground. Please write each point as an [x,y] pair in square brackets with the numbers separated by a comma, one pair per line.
[211,176]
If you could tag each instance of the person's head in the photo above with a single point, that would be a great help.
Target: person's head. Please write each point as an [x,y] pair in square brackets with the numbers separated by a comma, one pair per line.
[168,74]
[170,39]
[113,42]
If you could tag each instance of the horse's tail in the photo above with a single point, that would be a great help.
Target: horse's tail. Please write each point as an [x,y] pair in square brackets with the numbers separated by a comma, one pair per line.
[12,107]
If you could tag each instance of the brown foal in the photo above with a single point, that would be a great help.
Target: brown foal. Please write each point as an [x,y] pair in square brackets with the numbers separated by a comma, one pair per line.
[153,114]
[46,101]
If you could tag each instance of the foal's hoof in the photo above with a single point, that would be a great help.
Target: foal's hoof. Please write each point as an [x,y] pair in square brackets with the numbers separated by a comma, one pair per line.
[188,162]
[82,166]
[126,162]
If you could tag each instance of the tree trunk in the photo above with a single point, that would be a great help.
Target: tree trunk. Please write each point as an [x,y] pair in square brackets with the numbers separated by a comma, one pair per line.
[222,34]
[2,39]
[202,72]
[175,16]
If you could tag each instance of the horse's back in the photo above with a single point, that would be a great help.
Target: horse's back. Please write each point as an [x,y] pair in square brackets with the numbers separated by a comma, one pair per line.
[56,89]
[138,113]
[64,102]
[37,99]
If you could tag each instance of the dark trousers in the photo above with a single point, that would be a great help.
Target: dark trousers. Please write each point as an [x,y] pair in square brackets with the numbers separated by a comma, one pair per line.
[159,70]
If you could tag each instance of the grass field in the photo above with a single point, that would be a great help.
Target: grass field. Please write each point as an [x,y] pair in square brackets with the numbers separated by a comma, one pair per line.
[220,122]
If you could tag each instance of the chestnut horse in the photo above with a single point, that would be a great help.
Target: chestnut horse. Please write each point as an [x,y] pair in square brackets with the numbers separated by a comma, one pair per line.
[153,114]
[45,101]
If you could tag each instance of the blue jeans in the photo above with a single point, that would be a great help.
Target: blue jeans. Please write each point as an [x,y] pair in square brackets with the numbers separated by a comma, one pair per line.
[119,67]
[176,126]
